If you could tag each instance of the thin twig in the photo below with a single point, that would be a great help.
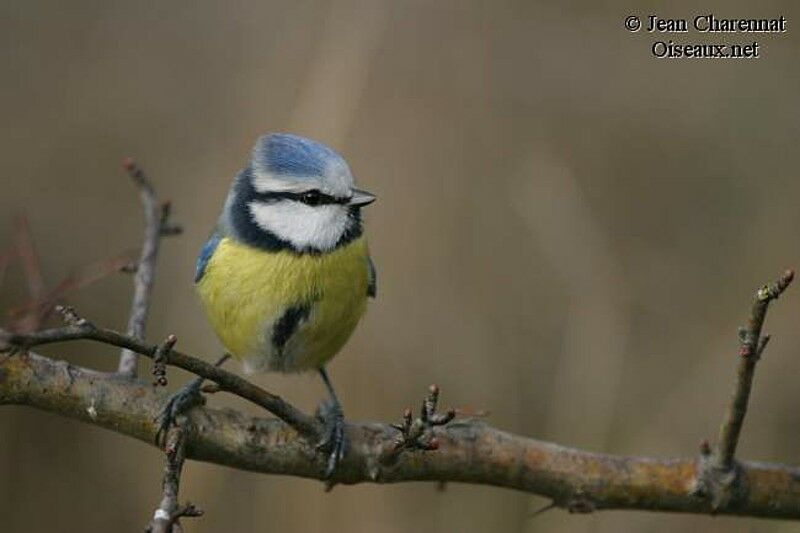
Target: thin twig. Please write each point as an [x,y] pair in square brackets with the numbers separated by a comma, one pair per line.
[752,345]
[169,510]
[417,434]
[168,228]
[160,360]
[41,309]
[30,259]
[191,395]
[32,267]
[228,382]
[155,220]
[543,509]
[5,258]
[718,474]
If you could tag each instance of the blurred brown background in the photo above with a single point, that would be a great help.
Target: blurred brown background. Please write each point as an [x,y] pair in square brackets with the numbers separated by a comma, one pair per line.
[568,234]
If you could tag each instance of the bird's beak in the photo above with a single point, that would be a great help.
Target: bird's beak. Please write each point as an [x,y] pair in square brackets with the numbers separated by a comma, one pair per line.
[361,198]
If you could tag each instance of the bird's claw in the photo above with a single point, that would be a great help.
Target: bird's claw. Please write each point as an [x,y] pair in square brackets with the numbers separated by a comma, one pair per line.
[334,440]
[179,403]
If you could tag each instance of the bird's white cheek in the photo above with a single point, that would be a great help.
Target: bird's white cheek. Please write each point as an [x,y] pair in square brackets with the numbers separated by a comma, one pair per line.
[303,226]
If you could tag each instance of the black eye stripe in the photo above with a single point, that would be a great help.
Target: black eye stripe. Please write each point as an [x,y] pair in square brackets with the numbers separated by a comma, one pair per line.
[312,197]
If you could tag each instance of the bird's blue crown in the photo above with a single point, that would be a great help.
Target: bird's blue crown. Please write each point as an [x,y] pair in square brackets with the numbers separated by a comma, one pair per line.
[282,154]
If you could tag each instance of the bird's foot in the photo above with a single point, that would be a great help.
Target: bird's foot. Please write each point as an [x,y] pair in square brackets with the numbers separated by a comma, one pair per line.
[334,440]
[178,404]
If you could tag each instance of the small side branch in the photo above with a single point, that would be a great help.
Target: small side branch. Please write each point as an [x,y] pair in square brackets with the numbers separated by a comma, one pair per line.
[160,360]
[156,225]
[718,471]
[169,511]
[418,434]
[78,328]
[752,346]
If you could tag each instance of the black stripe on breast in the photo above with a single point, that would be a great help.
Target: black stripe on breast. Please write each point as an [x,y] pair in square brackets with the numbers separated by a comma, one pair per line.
[287,325]
[372,279]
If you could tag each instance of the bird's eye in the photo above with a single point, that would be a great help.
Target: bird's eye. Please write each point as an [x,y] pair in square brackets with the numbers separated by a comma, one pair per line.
[311,198]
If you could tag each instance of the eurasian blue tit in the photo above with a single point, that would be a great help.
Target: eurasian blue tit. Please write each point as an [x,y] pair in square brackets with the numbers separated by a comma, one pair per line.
[285,276]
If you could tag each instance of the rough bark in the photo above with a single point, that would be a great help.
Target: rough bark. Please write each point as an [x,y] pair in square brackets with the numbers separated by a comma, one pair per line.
[468,451]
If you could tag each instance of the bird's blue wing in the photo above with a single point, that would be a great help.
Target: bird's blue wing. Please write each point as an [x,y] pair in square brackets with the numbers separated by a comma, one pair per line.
[205,255]
[372,287]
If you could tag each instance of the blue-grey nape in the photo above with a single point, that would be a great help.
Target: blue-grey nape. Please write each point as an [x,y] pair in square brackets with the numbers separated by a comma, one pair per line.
[205,255]
[286,154]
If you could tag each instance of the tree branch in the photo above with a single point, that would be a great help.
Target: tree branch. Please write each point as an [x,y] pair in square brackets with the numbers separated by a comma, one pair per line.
[468,451]
[752,346]
[156,225]
[720,479]
[78,328]
[165,519]
[428,448]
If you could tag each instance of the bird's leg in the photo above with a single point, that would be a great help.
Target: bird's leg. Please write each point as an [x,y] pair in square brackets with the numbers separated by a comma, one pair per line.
[181,402]
[333,442]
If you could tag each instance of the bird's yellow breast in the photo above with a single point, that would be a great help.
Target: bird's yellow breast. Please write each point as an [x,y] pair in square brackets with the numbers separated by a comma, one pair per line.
[246,291]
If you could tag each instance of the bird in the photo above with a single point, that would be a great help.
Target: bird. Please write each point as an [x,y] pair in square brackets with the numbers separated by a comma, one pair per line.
[285,275]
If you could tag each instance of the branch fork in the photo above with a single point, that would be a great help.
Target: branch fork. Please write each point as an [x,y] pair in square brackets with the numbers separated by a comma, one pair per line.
[417,434]
[157,225]
[719,479]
